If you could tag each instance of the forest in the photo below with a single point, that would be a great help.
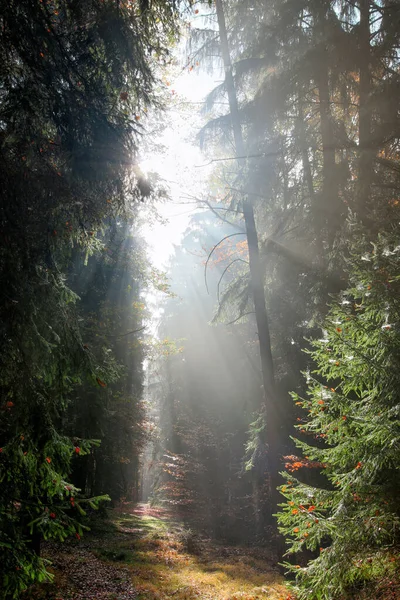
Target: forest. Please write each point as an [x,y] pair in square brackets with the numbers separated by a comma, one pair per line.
[200,299]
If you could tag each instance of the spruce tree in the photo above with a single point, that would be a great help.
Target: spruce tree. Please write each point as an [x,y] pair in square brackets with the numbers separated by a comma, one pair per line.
[76,78]
[349,430]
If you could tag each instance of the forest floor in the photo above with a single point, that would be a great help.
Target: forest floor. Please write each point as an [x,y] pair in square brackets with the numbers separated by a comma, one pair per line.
[143,553]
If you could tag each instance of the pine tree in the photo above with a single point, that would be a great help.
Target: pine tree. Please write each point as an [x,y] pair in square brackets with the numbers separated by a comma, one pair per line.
[76,79]
[111,310]
[349,430]
[314,82]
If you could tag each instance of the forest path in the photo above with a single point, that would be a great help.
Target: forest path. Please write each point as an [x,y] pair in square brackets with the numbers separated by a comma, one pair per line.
[143,553]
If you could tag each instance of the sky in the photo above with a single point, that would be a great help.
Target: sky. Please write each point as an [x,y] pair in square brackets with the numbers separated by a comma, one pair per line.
[179,164]
[177,160]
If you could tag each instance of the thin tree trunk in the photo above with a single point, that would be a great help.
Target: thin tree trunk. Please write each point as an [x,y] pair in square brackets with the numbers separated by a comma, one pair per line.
[308,178]
[329,208]
[305,159]
[136,481]
[269,407]
[364,123]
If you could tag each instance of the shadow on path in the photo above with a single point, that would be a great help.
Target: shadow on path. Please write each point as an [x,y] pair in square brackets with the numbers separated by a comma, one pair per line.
[144,553]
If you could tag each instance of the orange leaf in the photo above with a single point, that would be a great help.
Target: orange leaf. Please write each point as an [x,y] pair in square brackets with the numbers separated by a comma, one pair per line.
[100,382]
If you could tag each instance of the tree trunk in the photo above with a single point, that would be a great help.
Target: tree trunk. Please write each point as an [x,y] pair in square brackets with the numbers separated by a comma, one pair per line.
[269,406]
[364,123]
[308,179]
[329,207]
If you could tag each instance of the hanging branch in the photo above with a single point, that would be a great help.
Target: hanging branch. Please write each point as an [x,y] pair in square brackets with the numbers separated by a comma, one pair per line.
[252,312]
[224,219]
[212,208]
[212,251]
[121,335]
[225,270]
[260,155]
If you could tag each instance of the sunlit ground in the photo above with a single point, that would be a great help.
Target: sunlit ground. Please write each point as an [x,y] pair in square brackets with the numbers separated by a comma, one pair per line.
[143,553]
[162,567]
[162,560]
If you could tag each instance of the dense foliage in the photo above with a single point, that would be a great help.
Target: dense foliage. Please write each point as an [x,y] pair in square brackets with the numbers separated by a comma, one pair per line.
[351,415]
[292,270]
[75,80]
[304,126]
[110,288]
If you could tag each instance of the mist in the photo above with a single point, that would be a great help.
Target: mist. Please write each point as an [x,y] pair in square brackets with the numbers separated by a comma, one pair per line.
[199,300]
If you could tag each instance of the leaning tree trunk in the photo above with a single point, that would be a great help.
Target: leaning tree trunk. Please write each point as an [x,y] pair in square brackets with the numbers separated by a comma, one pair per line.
[269,405]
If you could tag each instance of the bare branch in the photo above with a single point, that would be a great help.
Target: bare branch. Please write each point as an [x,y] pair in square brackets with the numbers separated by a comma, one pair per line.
[125,334]
[261,155]
[212,251]
[225,270]
[224,219]
[252,312]
[207,203]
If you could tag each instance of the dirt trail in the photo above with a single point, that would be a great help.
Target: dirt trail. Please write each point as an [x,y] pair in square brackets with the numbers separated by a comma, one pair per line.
[142,553]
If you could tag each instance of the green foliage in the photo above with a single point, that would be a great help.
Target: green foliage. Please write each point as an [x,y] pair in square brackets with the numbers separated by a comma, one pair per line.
[75,75]
[110,287]
[254,446]
[38,501]
[351,517]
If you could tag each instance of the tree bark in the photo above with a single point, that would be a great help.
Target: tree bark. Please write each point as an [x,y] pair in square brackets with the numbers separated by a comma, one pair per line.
[329,209]
[364,119]
[308,179]
[270,406]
